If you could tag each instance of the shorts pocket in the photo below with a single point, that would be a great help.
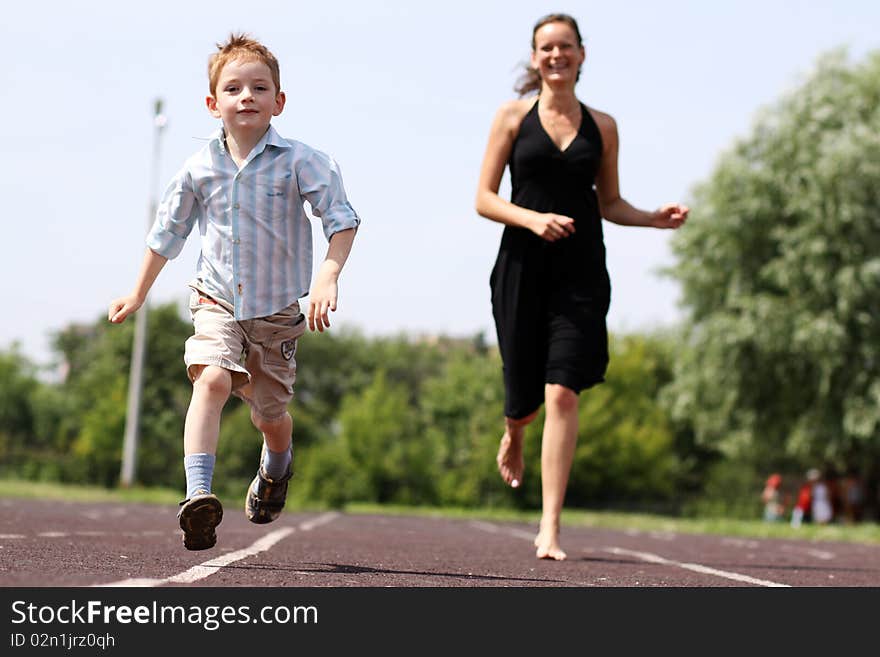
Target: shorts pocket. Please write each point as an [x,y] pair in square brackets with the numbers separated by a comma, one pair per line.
[280,348]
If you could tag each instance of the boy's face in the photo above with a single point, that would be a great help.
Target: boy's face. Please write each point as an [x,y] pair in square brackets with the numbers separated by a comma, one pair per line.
[245,98]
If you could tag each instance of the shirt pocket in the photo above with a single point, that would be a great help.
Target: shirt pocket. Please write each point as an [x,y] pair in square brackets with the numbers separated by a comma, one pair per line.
[274,189]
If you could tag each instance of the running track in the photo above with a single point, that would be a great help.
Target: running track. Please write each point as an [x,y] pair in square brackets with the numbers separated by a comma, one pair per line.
[46,543]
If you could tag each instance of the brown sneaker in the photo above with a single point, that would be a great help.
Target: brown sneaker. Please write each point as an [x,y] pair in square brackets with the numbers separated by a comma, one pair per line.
[266,497]
[198,517]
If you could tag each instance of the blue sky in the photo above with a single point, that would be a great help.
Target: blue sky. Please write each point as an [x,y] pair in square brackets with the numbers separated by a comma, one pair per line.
[401,94]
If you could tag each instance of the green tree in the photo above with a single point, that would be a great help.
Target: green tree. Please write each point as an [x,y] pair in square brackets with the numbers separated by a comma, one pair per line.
[89,435]
[17,385]
[463,410]
[780,270]
[380,454]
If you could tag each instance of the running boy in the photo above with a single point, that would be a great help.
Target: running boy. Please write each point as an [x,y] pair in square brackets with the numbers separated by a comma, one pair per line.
[246,191]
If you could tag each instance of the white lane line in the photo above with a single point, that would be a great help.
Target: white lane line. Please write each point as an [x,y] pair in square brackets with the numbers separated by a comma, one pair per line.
[818,554]
[53,534]
[645,556]
[210,567]
[740,542]
[11,536]
[309,525]
[654,558]
[494,529]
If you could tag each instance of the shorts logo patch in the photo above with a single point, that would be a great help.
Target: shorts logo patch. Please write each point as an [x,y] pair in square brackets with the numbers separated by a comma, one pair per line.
[287,349]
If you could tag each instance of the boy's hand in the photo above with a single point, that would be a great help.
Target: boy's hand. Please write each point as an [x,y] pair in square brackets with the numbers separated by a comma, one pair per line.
[122,308]
[322,300]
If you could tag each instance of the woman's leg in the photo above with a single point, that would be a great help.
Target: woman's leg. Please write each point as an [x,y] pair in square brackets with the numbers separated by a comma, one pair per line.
[510,451]
[557,453]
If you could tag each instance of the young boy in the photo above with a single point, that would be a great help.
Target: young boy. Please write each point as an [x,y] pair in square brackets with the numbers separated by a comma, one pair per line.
[246,191]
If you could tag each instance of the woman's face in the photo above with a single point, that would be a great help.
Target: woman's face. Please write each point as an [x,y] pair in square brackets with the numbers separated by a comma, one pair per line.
[557,55]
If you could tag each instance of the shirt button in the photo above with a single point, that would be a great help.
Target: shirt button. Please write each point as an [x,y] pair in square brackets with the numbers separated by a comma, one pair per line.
[236,206]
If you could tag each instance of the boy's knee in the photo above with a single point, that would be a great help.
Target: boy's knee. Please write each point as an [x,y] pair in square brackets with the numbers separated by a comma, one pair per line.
[263,425]
[561,399]
[212,380]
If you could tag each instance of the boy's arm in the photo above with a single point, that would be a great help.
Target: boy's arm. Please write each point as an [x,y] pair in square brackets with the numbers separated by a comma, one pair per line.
[125,306]
[322,297]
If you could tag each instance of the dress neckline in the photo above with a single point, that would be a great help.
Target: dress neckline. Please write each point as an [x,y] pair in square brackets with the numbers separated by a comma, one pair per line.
[546,132]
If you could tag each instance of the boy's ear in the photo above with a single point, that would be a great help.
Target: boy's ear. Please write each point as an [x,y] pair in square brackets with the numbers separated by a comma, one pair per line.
[211,102]
[280,99]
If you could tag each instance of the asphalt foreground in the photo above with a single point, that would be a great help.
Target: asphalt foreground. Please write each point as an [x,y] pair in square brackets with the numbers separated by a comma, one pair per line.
[324,578]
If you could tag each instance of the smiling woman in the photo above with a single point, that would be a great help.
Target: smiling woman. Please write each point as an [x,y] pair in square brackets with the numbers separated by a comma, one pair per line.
[550,286]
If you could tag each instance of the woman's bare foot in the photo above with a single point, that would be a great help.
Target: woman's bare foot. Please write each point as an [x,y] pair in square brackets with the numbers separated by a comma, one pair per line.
[510,458]
[547,544]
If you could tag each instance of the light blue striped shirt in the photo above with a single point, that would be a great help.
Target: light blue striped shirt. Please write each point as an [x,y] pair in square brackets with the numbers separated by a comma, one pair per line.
[256,236]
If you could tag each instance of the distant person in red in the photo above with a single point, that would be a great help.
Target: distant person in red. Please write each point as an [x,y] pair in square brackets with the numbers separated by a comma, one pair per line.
[803,505]
[774,507]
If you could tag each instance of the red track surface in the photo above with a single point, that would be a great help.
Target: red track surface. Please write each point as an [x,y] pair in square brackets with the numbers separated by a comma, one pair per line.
[46,543]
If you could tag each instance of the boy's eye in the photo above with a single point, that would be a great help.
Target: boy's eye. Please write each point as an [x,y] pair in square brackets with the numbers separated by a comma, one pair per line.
[230,89]
[260,87]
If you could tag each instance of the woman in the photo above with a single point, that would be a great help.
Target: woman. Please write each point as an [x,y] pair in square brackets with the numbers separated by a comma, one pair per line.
[550,288]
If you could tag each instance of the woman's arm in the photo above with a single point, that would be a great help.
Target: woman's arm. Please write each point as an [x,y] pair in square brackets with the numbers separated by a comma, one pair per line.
[488,204]
[612,206]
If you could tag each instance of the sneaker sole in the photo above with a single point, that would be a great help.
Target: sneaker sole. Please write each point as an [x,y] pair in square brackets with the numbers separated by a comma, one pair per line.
[198,520]
[256,511]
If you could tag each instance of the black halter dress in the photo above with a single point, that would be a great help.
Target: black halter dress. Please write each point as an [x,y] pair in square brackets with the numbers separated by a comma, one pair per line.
[550,299]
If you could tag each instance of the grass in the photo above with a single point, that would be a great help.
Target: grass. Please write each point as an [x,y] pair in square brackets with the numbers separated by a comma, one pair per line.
[863,533]
[868,532]
[75,493]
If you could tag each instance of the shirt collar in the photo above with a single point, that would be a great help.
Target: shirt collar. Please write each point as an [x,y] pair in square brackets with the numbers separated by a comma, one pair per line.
[271,138]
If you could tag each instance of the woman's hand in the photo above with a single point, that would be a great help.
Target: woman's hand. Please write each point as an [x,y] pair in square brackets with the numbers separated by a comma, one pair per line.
[552,227]
[671,215]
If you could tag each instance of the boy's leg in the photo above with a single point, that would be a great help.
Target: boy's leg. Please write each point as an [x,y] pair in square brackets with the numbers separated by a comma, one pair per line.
[201,431]
[267,493]
[277,439]
[271,362]
[201,511]
[212,356]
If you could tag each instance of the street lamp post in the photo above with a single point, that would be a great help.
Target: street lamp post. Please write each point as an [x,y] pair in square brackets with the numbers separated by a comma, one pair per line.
[139,343]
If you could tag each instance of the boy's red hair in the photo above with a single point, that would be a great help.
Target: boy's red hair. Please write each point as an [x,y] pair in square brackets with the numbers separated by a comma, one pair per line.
[241,46]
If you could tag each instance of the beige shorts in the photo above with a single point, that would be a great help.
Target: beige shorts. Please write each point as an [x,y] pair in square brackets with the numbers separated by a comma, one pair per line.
[258,352]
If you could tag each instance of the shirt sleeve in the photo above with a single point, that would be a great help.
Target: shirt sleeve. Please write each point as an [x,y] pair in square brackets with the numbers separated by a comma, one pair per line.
[176,215]
[320,183]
